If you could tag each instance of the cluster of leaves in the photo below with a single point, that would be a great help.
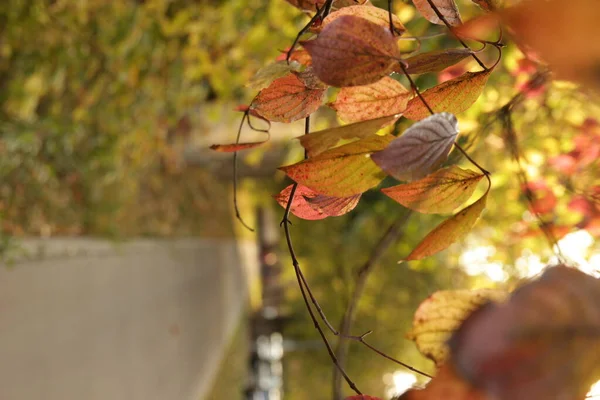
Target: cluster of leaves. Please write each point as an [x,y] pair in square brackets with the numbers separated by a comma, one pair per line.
[355,57]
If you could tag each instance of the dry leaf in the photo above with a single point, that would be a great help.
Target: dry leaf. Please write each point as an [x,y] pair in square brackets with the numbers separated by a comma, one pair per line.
[287,99]
[352,51]
[420,149]
[318,142]
[440,192]
[447,8]
[333,206]
[441,314]
[358,103]
[268,74]
[435,61]
[309,205]
[233,147]
[453,96]
[449,231]
[342,171]
[376,15]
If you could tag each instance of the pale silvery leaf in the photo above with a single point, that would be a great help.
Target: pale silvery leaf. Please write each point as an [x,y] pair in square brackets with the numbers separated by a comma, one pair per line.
[421,149]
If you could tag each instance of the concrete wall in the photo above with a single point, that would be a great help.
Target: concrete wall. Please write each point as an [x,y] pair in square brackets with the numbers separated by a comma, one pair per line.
[87,319]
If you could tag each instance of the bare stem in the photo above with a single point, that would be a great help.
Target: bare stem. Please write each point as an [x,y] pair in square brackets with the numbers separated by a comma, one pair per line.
[235,176]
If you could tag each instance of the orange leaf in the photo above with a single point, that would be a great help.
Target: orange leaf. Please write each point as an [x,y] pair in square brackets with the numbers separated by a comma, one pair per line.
[358,103]
[287,99]
[318,142]
[310,205]
[453,96]
[543,343]
[561,33]
[376,15]
[435,61]
[449,231]
[440,192]
[421,149]
[353,51]
[232,147]
[342,171]
[334,206]
[447,8]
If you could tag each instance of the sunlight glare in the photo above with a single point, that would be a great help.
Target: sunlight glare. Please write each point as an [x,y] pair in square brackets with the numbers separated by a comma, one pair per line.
[401,381]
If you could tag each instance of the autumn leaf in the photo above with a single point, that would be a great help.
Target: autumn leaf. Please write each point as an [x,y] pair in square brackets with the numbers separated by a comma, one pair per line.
[376,15]
[435,61]
[268,74]
[342,171]
[358,103]
[441,314]
[310,205]
[543,343]
[233,147]
[420,149]
[440,192]
[449,231]
[299,55]
[318,142]
[561,35]
[352,51]
[447,8]
[446,385]
[453,96]
[333,206]
[287,99]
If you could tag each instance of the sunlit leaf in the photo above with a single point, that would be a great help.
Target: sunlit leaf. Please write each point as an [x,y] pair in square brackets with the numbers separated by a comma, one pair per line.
[287,99]
[342,171]
[358,103]
[543,343]
[435,61]
[376,15]
[318,142]
[562,35]
[352,51]
[310,205]
[334,206]
[440,192]
[449,231]
[447,8]
[441,314]
[420,149]
[268,74]
[232,147]
[453,96]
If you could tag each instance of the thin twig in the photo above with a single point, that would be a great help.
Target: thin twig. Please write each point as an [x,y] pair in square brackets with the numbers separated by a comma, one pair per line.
[235,175]
[286,226]
[320,13]
[451,29]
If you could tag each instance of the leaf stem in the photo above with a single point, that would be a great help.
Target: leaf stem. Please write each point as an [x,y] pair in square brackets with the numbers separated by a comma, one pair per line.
[235,175]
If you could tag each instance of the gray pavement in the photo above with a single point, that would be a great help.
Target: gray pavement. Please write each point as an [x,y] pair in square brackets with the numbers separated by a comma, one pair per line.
[86,320]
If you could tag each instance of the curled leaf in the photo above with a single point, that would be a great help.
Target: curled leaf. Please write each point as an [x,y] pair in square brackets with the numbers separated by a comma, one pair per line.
[376,15]
[453,96]
[447,8]
[439,192]
[543,343]
[435,61]
[342,171]
[233,147]
[287,99]
[358,103]
[420,149]
[352,51]
[318,142]
[449,231]
[441,314]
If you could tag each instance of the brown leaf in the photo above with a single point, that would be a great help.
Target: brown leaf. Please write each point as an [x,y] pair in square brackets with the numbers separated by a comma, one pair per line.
[318,142]
[358,103]
[449,231]
[376,15]
[342,171]
[287,99]
[421,149]
[352,51]
[563,34]
[233,147]
[333,206]
[435,61]
[441,314]
[543,343]
[440,192]
[447,8]
[453,96]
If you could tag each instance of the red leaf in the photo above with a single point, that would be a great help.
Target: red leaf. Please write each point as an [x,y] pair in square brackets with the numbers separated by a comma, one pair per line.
[353,51]
[421,149]
[310,205]
[447,8]
[232,147]
[287,99]
[359,103]
[454,96]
